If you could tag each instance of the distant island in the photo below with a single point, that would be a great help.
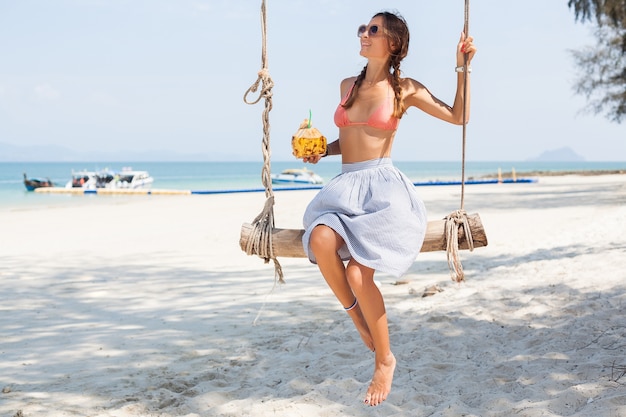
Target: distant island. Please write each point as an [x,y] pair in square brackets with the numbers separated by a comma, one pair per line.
[564,154]
[529,174]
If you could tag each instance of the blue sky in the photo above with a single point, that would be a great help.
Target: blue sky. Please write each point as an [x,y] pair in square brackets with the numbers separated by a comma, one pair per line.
[134,75]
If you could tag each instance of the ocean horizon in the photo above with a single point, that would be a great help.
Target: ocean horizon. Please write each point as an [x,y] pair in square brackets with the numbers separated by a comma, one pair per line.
[238,175]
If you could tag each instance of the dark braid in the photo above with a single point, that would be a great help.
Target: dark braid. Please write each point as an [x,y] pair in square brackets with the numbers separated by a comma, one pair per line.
[398,36]
[398,110]
[397,33]
[357,84]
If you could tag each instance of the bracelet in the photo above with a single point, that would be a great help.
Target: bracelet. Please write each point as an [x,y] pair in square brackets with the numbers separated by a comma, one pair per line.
[352,306]
[325,154]
[462,69]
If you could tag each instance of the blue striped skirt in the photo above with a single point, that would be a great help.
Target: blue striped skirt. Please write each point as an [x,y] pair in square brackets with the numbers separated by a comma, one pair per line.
[376,210]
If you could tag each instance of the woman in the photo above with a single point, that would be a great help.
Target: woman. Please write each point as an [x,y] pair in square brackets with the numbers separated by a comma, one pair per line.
[370,214]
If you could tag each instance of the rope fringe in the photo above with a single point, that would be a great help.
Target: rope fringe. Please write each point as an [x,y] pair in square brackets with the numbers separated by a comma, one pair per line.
[454,222]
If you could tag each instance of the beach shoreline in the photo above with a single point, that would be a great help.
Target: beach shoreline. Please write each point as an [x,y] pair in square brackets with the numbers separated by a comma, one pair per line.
[147,306]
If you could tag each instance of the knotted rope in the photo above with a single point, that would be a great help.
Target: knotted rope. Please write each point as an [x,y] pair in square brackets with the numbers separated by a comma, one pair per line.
[454,222]
[458,218]
[261,239]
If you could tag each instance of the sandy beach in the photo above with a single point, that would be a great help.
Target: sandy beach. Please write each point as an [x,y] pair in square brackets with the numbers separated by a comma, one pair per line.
[146,306]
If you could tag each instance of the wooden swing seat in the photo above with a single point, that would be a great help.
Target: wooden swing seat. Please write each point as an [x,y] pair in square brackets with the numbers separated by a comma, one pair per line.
[287,243]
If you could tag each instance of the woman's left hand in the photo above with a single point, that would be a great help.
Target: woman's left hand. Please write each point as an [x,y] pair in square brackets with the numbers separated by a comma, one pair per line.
[465,48]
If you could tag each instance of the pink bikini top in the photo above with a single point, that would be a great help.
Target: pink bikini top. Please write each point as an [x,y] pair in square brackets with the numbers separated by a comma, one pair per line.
[382,118]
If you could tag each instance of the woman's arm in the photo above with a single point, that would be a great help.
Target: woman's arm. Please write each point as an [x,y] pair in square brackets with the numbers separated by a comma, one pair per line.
[419,96]
[332,148]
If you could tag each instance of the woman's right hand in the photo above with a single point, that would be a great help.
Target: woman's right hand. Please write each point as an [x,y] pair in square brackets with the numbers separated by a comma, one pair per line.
[313,159]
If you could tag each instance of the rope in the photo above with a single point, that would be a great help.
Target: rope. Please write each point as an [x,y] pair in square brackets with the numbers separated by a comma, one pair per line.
[465,72]
[458,218]
[261,237]
[454,221]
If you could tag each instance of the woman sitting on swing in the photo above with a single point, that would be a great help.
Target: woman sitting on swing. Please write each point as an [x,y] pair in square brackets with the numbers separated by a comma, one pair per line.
[370,215]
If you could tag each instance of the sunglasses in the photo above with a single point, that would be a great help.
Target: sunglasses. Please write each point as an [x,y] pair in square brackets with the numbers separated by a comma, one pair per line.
[372,31]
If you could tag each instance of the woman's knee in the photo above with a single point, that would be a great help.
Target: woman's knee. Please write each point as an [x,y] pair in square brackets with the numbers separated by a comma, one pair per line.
[323,238]
[358,275]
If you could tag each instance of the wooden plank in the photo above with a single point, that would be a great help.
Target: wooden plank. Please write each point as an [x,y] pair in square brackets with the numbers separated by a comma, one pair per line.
[287,243]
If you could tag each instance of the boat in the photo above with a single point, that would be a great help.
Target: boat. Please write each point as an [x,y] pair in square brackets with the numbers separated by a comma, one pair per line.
[127,178]
[33,183]
[82,179]
[297,176]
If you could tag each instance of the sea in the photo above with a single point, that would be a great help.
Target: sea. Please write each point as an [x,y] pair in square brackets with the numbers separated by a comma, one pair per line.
[245,176]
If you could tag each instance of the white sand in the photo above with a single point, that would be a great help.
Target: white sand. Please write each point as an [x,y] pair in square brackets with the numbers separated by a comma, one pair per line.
[144,306]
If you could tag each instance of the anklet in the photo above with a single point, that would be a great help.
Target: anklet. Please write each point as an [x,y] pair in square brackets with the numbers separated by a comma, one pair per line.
[352,306]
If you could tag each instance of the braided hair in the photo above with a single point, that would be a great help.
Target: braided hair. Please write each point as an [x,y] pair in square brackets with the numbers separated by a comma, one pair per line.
[397,32]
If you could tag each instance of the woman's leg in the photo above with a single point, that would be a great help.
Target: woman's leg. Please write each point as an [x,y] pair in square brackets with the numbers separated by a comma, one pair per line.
[361,280]
[325,243]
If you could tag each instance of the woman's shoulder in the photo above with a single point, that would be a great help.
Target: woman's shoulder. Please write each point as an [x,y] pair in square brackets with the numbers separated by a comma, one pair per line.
[414,93]
[410,85]
[346,84]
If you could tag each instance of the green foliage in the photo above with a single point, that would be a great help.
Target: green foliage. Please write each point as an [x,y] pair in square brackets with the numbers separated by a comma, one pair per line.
[603,67]
[613,10]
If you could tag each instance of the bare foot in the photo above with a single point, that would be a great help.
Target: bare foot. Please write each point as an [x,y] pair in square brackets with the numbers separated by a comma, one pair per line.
[381,381]
[361,326]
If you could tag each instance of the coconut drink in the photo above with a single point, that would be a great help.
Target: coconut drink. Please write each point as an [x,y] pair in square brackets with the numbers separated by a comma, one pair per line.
[308,141]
